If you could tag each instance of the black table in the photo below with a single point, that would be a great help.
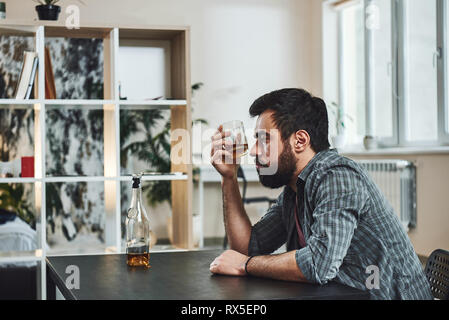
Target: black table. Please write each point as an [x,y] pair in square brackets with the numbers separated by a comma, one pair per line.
[176,276]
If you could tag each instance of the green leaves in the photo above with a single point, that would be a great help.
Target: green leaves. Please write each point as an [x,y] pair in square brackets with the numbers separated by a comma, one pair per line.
[11,122]
[53,2]
[202,121]
[340,116]
[197,86]
[47,2]
[154,148]
[12,198]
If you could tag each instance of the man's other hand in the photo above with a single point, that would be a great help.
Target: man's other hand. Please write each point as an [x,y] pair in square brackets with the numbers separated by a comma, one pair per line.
[231,263]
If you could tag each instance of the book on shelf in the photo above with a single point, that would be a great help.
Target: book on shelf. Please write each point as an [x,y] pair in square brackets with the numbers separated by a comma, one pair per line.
[33,80]
[50,87]
[27,75]
[21,167]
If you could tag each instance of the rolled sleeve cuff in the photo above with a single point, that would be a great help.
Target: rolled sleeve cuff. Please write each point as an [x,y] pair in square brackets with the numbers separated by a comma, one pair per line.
[304,261]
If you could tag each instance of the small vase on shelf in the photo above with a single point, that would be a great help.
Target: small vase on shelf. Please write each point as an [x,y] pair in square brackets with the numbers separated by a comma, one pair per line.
[48,12]
[370,143]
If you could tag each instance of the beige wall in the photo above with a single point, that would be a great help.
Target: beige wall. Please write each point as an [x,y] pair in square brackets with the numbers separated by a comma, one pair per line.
[432,231]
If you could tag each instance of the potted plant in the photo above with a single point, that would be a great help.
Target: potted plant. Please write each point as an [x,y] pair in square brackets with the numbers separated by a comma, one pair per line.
[370,142]
[339,141]
[47,9]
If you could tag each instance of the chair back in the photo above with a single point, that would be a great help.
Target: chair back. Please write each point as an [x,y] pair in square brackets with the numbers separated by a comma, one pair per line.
[437,272]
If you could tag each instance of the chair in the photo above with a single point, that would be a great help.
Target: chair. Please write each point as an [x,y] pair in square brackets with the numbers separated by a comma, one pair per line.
[437,272]
[246,200]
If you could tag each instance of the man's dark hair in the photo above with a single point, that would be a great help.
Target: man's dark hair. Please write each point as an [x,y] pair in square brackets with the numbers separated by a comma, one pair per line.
[294,110]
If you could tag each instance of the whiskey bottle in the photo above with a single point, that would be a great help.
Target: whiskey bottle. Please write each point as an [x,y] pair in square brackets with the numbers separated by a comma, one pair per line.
[137,229]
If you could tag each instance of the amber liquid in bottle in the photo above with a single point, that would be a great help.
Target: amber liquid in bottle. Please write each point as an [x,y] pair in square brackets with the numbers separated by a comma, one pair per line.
[137,230]
[138,257]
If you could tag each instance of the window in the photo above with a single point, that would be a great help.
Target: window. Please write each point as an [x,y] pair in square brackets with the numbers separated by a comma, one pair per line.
[383,71]
[402,62]
[443,42]
[421,65]
[353,89]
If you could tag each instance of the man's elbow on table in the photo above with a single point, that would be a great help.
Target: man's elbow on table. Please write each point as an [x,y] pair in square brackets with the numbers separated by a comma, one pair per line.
[317,270]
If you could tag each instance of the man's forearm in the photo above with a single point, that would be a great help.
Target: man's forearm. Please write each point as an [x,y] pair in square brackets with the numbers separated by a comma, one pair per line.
[236,221]
[278,267]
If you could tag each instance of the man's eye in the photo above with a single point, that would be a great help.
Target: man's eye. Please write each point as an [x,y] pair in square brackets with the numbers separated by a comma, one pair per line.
[262,141]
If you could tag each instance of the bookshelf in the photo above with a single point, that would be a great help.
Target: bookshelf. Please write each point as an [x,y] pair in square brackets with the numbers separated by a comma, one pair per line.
[179,107]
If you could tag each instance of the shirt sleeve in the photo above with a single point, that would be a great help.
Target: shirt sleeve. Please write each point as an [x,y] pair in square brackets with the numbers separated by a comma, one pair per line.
[339,199]
[269,234]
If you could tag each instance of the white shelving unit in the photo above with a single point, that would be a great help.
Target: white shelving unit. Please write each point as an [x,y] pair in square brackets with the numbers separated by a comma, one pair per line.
[181,175]
[18,102]
[160,177]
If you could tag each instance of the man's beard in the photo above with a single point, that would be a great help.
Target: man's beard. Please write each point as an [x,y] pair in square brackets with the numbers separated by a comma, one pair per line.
[285,172]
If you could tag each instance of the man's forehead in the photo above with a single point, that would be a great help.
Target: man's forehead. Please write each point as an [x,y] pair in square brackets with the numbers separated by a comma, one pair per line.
[265,122]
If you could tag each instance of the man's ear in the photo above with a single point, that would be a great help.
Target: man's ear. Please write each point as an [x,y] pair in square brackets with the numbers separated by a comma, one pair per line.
[301,141]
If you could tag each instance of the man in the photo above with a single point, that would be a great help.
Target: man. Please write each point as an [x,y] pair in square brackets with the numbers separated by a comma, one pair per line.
[336,223]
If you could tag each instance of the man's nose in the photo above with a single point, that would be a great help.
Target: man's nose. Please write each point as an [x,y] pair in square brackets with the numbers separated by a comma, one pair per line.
[254,151]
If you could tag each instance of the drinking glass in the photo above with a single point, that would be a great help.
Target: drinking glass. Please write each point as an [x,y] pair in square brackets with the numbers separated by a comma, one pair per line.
[237,137]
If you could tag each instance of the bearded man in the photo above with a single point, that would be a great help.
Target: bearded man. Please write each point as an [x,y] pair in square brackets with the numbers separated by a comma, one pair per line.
[334,220]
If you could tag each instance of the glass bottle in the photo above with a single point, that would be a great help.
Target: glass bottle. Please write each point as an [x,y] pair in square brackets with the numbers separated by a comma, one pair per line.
[137,229]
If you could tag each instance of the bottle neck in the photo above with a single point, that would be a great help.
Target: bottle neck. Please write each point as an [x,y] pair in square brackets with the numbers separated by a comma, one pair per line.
[136,196]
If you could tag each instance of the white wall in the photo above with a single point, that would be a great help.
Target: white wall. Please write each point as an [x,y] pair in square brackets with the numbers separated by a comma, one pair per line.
[240,49]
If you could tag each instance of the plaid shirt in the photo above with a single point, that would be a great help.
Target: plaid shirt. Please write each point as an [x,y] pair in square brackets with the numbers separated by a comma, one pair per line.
[348,226]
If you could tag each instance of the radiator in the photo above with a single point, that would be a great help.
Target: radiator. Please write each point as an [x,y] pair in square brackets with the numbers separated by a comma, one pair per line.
[397,181]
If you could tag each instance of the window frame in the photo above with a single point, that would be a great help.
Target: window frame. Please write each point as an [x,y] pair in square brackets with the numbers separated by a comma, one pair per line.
[400,76]
[343,62]
[443,71]
[397,73]
[400,56]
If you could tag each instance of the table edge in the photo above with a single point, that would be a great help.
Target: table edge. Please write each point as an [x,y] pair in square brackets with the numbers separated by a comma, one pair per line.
[59,282]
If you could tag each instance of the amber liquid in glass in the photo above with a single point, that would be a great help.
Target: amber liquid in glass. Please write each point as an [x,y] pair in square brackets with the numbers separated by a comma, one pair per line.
[239,150]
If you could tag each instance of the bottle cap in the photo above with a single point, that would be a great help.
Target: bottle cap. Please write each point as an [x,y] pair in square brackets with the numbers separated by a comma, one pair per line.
[136,181]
